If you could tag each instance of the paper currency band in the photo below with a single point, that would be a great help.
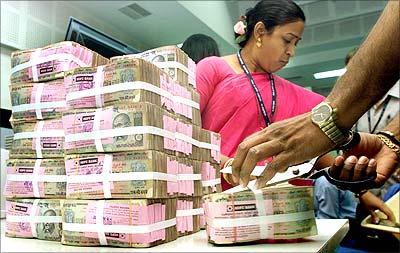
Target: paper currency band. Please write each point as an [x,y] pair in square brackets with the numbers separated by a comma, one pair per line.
[259,220]
[123,176]
[34,219]
[135,85]
[128,229]
[211,182]
[173,64]
[40,178]
[189,212]
[38,106]
[35,60]
[109,133]
[39,134]
[190,177]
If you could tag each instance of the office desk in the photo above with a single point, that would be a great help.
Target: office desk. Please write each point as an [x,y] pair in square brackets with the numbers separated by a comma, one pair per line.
[330,234]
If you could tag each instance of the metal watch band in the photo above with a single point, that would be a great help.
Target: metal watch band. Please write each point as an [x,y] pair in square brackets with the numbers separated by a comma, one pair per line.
[389,144]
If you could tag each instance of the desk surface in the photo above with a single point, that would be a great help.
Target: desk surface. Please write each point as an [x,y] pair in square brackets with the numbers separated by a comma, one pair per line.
[330,234]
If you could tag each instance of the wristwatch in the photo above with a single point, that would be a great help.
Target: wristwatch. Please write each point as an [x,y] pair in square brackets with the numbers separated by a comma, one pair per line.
[324,116]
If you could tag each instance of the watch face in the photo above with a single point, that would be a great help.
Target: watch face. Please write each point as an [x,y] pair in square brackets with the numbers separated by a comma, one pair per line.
[321,113]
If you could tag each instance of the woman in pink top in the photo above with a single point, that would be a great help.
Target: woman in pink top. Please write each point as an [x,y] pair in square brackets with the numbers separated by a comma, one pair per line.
[239,94]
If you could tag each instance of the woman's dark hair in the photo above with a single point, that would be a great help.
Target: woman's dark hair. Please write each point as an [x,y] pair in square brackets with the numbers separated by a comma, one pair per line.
[199,46]
[272,13]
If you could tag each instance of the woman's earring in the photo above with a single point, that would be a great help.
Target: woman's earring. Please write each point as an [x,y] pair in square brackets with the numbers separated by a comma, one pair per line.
[258,43]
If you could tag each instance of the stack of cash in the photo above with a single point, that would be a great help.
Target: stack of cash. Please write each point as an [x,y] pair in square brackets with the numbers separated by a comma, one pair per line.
[210,178]
[209,147]
[172,60]
[46,175]
[136,174]
[281,212]
[130,80]
[34,218]
[40,139]
[120,223]
[50,62]
[188,176]
[188,211]
[37,101]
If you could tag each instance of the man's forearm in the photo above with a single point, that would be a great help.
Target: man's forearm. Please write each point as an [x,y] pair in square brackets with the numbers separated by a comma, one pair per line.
[372,71]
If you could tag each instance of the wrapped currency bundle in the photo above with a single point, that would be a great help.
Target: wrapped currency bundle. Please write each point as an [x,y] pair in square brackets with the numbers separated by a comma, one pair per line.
[41,139]
[172,60]
[36,101]
[34,218]
[281,212]
[47,63]
[210,178]
[139,174]
[131,127]
[130,80]
[208,146]
[188,176]
[35,178]
[120,223]
[188,211]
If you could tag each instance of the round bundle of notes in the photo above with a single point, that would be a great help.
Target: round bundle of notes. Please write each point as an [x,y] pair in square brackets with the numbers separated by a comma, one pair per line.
[279,212]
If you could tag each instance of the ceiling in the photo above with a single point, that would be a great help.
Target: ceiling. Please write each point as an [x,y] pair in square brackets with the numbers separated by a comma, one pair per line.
[332,27]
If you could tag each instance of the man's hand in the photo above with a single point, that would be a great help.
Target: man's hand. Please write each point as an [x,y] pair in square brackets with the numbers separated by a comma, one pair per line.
[372,147]
[371,203]
[288,142]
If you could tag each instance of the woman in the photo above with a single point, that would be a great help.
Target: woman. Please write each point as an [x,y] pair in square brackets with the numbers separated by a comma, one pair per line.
[199,46]
[239,93]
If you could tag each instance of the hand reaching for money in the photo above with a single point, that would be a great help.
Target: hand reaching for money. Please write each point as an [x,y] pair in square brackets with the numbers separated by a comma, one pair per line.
[372,203]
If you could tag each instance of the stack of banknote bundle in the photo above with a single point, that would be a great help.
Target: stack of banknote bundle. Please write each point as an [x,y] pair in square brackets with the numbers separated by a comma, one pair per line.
[188,173]
[130,80]
[172,60]
[38,139]
[210,177]
[50,62]
[34,218]
[35,178]
[36,168]
[135,174]
[120,223]
[279,212]
[188,211]
[37,101]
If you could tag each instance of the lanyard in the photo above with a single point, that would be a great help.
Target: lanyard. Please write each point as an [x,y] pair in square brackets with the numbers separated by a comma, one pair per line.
[380,116]
[257,92]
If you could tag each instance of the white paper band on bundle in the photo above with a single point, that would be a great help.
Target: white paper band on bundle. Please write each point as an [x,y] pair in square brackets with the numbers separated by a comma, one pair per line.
[189,212]
[107,169]
[38,147]
[41,178]
[190,177]
[172,64]
[211,182]
[123,176]
[38,106]
[39,60]
[108,133]
[35,178]
[34,56]
[96,128]
[187,139]
[34,219]
[97,79]
[186,101]
[259,220]
[135,85]
[100,222]
[209,146]
[37,134]
[128,229]
[32,214]
[38,96]
[258,195]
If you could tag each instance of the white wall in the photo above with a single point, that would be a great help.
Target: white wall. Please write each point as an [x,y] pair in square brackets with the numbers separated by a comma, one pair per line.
[32,24]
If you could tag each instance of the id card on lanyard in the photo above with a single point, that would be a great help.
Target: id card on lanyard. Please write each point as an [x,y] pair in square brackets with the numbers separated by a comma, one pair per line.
[257,92]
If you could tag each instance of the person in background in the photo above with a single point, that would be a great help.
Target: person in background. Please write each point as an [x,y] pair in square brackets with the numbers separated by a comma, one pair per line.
[370,74]
[239,93]
[199,46]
